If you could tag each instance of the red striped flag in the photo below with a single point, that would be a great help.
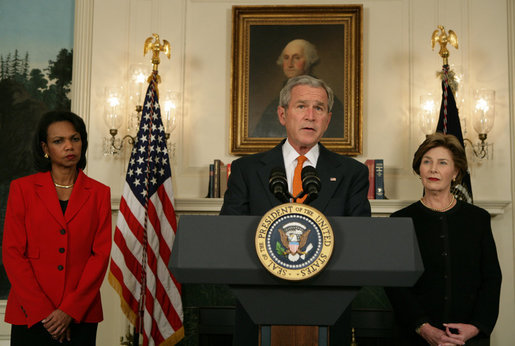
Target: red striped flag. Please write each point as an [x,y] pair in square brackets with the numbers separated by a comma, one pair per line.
[145,230]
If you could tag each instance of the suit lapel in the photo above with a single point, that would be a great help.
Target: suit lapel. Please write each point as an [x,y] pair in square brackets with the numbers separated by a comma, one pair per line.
[330,177]
[270,160]
[79,196]
[45,190]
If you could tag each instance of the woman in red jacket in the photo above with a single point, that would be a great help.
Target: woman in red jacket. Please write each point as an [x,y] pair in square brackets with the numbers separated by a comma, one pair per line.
[57,240]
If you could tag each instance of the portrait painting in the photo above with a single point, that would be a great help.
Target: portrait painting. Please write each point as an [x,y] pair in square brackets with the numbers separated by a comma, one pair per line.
[274,43]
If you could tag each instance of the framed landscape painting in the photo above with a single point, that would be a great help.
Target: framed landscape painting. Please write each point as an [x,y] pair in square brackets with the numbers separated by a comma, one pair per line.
[36,53]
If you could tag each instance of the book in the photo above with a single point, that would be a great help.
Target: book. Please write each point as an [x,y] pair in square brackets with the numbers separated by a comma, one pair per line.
[223,180]
[379,179]
[216,178]
[211,182]
[371,179]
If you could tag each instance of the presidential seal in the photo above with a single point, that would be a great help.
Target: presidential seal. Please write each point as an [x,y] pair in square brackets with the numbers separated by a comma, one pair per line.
[294,241]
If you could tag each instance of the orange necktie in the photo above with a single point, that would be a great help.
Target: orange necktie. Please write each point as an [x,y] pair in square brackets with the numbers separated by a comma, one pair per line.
[297,179]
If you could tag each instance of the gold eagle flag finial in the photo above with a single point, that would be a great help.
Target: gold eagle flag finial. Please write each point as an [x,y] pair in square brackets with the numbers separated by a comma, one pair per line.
[153,43]
[443,38]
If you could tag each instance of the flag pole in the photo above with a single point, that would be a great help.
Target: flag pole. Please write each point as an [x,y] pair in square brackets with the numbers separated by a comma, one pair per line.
[449,121]
[135,339]
[153,44]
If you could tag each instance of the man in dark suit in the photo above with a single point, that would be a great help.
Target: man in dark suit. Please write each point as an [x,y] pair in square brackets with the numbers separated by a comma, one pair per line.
[305,111]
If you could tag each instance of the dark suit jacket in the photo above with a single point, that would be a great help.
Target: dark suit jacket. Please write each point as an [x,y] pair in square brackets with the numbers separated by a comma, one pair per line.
[344,184]
[344,187]
[56,261]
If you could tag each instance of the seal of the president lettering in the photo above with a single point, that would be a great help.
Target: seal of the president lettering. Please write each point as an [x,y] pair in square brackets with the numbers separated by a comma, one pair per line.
[294,241]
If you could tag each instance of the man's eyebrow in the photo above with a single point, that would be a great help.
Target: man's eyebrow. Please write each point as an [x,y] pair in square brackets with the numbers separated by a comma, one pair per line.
[317,103]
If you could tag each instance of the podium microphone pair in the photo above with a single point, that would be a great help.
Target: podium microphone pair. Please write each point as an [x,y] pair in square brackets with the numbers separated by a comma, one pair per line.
[279,185]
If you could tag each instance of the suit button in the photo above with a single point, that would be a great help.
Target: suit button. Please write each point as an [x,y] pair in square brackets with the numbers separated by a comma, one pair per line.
[60,267]
[61,250]
[62,231]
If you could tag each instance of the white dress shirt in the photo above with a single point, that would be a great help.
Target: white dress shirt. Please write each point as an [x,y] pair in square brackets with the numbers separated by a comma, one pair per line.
[290,156]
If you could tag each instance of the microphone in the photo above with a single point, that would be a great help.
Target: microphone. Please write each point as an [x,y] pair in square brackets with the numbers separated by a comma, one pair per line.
[310,183]
[279,185]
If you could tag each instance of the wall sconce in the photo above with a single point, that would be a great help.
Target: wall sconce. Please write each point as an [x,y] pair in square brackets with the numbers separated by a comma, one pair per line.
[169,113]
[115,113]
[137,87]
[428,116]
[114,110]
[483,116]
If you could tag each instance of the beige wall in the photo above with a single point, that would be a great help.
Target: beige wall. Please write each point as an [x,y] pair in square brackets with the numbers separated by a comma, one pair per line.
[398,67]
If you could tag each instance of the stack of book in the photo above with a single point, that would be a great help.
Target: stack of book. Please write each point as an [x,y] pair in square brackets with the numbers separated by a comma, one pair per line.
[375,179]
[218,175]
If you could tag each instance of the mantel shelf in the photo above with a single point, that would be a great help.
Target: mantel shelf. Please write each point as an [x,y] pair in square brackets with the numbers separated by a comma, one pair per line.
[382,207]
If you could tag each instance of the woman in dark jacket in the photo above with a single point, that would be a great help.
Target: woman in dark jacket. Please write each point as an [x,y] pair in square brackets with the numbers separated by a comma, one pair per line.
[456,300]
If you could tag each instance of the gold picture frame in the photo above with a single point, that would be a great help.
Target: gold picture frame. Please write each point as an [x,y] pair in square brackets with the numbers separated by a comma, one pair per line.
[260,33]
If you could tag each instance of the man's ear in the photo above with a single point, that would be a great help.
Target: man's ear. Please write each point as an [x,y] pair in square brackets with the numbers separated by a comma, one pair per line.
[281,115]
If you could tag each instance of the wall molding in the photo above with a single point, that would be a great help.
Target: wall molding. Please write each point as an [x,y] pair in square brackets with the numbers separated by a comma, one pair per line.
[82,51]
[379,207]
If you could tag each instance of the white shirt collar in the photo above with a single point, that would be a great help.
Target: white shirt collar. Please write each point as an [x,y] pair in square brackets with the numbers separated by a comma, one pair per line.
[290,160]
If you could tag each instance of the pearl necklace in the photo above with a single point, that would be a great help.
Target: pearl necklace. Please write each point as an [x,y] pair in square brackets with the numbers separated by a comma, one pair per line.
[64,186]
[439,210]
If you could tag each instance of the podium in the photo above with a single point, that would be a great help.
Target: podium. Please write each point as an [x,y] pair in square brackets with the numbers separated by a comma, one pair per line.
[367,252]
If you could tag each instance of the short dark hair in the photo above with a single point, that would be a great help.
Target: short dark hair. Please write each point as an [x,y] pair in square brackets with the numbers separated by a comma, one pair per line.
[285,94]
[448,142]
[43,164]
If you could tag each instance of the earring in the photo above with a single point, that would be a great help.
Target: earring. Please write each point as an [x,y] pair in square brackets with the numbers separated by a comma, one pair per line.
[46,156]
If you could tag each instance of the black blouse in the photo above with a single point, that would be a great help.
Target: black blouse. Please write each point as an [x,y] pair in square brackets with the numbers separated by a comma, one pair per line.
[63,204]
[462,278]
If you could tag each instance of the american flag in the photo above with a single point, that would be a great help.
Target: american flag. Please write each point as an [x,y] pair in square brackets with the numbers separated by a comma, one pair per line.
[145,230]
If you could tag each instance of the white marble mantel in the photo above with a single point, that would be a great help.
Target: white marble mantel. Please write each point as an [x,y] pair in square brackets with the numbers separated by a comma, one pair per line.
[379,207]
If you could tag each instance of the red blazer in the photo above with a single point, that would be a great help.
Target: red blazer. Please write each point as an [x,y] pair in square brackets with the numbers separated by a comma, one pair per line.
[54,260]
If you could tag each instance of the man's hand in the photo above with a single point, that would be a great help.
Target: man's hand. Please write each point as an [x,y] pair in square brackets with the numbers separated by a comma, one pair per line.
[465,331]
[437,337]
[57,324]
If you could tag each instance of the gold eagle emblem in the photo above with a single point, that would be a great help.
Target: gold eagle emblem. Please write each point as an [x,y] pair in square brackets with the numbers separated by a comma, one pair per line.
[441,37]
[153,43]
